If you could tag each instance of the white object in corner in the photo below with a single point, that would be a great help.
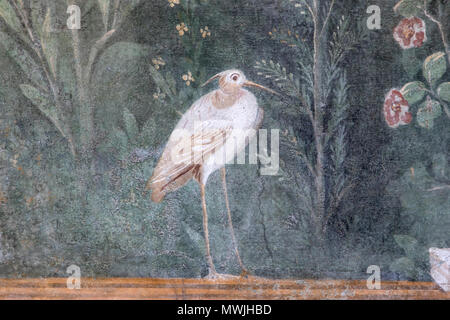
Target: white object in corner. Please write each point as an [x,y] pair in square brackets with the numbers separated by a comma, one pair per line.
[440,267]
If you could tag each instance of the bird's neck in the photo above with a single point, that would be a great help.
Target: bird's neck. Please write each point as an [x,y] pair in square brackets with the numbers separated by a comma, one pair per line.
[222,100]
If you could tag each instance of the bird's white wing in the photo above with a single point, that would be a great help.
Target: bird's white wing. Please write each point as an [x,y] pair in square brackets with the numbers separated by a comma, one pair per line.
[196,137]
[186,147]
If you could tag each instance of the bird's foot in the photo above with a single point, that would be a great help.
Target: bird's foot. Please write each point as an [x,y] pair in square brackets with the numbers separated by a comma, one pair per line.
[245,273]
[213,275]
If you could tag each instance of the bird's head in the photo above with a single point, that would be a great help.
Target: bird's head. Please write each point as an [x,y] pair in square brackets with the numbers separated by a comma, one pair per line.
[231,81]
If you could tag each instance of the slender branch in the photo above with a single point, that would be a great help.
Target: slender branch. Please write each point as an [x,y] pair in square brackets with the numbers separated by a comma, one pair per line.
[440,26]
[21,14]
[336,204]
[84,76]
[77,56]
[327,18]
[308,163]
[16,37]
[318,125]
[307,108]
[37,48]
[98,46]
[429,15]
[443,104]
[116,14]
[311,11]
[439,188]
[86,112]
[446,109]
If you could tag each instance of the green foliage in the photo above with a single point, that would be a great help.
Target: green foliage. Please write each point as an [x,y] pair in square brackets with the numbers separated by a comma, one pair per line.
[24,60]
[425,198]
[434,67]
[9,16]
[104,8]
[303,107]
[44,104]
[341,106]
[424,193]
[49,42]
[428,112]
[408,8]
[57,210]
[285,82]
[413,92]
[444,91]
[130,124]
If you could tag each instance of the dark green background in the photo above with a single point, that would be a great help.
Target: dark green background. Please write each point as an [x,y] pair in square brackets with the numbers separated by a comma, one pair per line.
[113,229]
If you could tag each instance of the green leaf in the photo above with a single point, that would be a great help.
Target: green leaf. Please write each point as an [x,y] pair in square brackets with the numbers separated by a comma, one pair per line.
[44,104]
[10,17]
[36,97]
[413,92]
[408,8]
[29,67]
[407,243]
[434,67]
[429,111]
[444,91]
[171,83]
[38,13]
[104,8]
[49,43]
[160,81]
[131,125]
[403,266]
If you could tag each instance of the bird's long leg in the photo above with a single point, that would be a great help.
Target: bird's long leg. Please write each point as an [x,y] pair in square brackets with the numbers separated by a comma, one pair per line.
[230,222]
[212,269]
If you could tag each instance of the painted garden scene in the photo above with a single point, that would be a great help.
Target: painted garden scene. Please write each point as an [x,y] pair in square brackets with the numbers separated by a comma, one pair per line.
[221,140]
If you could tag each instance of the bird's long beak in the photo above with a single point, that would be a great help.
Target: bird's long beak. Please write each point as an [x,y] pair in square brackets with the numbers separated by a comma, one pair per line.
[252,84]
[212,79]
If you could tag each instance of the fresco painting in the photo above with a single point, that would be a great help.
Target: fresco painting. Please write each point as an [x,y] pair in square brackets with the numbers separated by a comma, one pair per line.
[346,166]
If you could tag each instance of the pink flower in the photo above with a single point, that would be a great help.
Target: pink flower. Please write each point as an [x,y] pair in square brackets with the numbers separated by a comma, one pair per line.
[410,33]
[396,109]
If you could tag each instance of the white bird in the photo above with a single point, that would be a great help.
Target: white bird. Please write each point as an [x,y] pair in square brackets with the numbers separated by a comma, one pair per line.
[209,135]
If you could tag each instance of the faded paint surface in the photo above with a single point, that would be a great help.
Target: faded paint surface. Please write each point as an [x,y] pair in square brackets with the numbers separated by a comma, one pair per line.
[82,128]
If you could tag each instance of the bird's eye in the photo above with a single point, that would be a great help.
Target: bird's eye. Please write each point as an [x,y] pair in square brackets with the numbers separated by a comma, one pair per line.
[235,77]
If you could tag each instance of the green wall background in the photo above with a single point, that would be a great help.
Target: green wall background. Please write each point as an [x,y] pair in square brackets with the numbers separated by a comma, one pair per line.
[93,211]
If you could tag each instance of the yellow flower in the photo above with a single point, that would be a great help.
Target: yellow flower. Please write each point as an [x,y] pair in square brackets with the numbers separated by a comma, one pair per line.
[157,62]
[172,3]
[188,78]
[205,32]
[182,28]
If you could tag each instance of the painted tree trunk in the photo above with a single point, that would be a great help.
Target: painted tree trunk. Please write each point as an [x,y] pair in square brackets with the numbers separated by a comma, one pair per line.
[86,112]
[318,122]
